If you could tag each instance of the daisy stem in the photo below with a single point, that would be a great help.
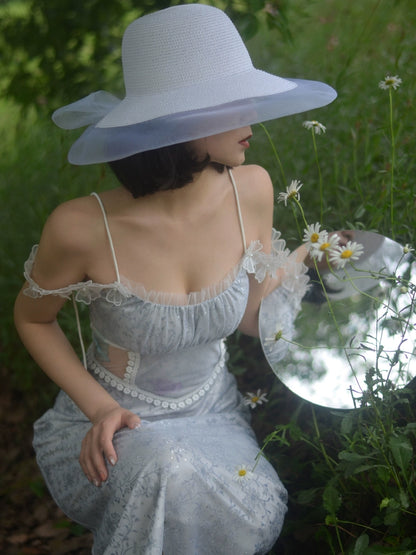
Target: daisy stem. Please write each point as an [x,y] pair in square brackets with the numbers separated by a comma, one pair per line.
[321,197]
[301,211]
[328,459]
[296,218]
[393,162]
[275,153]
[330,307]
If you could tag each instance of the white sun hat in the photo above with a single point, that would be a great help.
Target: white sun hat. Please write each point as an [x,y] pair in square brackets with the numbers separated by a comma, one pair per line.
[187,75]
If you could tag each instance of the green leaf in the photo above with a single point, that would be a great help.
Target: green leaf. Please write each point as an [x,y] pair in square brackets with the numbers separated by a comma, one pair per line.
[392,517]
[330,520]
[385,503]
[402,451]
[404,499]
[361,544]
[331,499]
[411,427]
[353,463]
[380,550]
[363,468]
[352,457]
[360,211]
[306,496]
[347,424]
[383,474]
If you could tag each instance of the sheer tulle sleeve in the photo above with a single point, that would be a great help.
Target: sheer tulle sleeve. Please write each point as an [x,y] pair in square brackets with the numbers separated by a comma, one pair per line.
[84,291]
[278,310]
[277,324]
[294,281]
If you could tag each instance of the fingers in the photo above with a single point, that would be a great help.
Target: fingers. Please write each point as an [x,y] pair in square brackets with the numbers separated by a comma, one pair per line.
[133,421]
[92,459]
[97,446]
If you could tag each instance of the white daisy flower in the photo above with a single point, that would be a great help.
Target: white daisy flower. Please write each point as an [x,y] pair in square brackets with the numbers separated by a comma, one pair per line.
[390,82]
[254,399]
[242,473]
[278,334]
[340,255]
[321,248]
[315,126]
[313,235]
[291,192]
[407,248]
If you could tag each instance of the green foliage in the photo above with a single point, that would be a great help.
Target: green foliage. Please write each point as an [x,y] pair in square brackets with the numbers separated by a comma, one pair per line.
[56,52]
[351,475]
[34,178]
[361,477]
[352,46]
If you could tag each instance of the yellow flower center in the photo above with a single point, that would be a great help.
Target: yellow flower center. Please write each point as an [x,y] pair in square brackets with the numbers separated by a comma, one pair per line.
[314,237]
[346,254]
[242,472]
[255,399]
[324,246]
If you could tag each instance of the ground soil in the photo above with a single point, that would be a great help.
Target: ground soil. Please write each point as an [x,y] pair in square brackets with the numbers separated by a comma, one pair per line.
[30,522]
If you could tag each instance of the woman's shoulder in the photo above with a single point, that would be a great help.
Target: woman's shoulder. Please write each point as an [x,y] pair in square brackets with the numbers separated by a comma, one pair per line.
[74,222]
[69,243]
[75,208]
[254,185]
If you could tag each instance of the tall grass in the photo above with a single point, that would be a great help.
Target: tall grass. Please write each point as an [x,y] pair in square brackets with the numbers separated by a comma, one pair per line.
[352,46]
[34,178]
[351,475]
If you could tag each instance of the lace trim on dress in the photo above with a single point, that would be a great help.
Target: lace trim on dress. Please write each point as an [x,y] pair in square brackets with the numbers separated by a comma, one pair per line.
[126,386]
[84,291]
[254,261]
[179,299]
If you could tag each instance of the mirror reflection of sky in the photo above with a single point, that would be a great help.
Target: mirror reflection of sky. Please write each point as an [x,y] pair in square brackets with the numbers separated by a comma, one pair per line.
[376,329]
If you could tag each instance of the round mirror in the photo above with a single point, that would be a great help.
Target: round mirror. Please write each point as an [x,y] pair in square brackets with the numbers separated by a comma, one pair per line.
[356,328]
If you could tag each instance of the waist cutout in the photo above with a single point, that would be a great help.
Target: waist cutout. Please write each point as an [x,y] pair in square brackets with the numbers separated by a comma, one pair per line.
[171,380]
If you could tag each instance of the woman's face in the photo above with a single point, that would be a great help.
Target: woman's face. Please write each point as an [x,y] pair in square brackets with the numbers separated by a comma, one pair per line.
[226,148]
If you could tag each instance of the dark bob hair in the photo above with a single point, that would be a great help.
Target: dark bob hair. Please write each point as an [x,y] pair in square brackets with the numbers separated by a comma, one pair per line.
[165,168]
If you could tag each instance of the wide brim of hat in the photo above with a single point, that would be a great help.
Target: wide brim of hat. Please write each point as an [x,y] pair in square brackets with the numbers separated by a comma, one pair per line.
[104,144]
[198,96]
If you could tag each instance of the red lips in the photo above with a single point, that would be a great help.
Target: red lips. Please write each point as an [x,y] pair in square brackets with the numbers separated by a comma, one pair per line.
[245,142]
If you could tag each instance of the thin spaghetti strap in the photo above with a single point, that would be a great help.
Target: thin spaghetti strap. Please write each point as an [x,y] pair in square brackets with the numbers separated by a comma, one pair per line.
[110,240]
[237,200]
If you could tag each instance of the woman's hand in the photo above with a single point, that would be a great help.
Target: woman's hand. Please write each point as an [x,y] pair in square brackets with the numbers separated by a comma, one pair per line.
[97,445]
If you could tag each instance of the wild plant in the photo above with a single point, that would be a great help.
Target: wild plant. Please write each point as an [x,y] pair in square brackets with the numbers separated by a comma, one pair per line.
[361,487]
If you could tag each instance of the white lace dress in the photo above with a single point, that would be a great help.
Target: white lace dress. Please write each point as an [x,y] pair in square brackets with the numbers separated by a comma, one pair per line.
[186,482]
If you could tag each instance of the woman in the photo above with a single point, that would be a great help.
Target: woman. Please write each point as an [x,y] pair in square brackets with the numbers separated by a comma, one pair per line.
[148,443]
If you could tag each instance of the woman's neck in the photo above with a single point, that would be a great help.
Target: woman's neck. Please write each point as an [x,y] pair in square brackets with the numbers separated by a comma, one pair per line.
[206,189]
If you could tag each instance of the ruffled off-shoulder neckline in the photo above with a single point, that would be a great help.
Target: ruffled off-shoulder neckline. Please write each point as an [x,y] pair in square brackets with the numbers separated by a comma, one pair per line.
[254,261]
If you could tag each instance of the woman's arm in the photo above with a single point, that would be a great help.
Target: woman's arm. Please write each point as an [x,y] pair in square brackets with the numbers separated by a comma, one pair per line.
[256,199]
[301,255]
[258,207]
[61,261]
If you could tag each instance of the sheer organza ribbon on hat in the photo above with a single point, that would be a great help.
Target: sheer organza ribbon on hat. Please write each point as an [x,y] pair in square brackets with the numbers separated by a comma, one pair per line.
[86,111]
[98,144]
